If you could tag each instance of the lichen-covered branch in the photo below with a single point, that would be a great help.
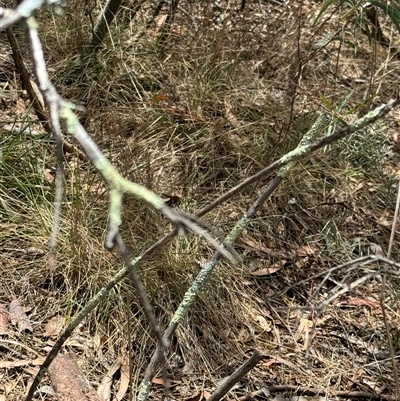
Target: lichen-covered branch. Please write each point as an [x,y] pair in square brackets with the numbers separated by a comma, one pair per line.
[306,149]
[307,145]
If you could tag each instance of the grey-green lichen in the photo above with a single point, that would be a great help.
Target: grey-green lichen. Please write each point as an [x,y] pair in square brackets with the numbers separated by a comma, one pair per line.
[237,230]
[193,291]
[144,390]
[69,117]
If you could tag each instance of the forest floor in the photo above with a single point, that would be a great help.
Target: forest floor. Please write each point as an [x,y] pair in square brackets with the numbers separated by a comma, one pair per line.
[189,112]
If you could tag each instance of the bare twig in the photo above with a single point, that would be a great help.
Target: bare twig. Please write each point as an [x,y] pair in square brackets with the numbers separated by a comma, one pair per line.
[327,271]
[315,391]
[363,279]
[33,94]
[144,300]
[53,127]
[236,376]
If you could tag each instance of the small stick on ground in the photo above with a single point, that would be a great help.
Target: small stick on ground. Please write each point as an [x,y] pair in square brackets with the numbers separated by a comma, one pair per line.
[317,392]
[236,376]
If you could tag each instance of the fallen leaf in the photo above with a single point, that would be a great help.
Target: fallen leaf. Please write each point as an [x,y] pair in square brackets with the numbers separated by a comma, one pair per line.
[158,380]
[267,270]
[263,323]
[255,245]
[206,394]
[54,326]
[306,250]
[362,302]
[277,359]
[124,383]
[24,362]
[18,316]
[159,97]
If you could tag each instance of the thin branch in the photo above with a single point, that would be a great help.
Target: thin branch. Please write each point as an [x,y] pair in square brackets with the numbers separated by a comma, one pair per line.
[356,283]
[298,390]
[141,291]
[313,277]
[236,376]
[33,94]
[54,127]
[298,153]
[102,26]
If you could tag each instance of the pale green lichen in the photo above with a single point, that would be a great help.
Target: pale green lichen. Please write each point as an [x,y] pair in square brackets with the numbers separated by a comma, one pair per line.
[69,117]
[237,230]
[144,391]
[115,207]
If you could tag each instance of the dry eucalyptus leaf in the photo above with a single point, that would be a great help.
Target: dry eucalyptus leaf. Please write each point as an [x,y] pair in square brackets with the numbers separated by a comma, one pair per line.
[266,271]
[14,364]
[54,326]
[306,250]
[124,383]
[104,389]
[18,316]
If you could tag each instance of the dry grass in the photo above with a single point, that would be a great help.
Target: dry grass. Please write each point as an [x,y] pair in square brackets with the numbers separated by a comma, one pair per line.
[191,118]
